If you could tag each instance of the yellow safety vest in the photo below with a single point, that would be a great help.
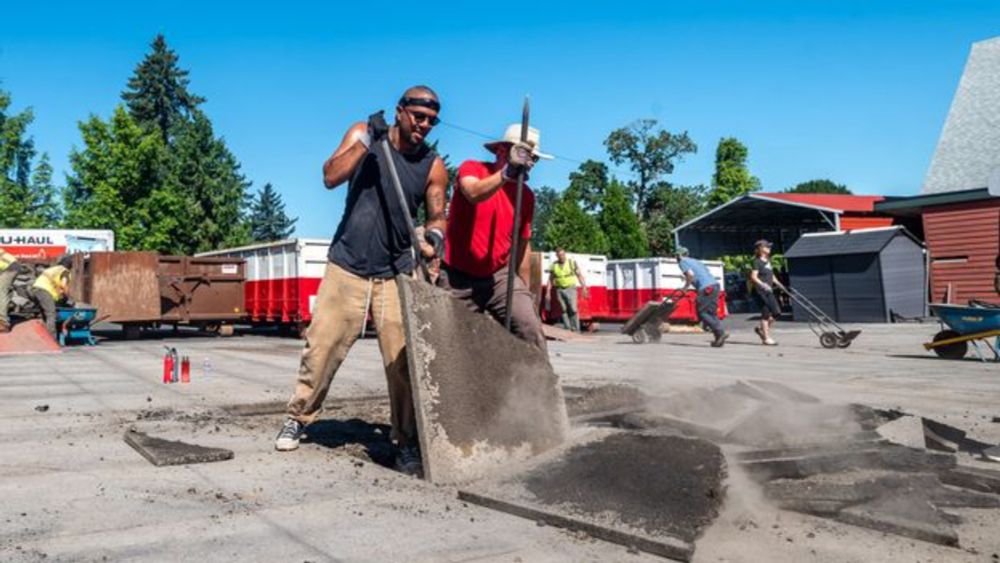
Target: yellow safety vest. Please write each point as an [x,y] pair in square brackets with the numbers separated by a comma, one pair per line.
[564,275]
[6,259]
[55,281]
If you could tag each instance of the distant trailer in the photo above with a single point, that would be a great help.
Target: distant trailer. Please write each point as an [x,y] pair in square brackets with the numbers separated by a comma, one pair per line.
[282,280]
[46,244]
[634,282]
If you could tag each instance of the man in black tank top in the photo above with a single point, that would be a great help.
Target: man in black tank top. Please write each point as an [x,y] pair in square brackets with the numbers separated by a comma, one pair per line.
[371,246]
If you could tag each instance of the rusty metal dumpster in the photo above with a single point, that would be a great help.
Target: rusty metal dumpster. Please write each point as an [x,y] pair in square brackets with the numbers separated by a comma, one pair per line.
[144,289]
[203,291]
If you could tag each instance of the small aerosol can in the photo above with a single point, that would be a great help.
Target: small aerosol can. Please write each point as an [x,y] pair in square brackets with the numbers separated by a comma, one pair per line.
[185,370]
[175,363]
[168,367]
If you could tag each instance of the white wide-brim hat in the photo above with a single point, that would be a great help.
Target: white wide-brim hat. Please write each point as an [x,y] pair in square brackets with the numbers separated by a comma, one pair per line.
[513,135]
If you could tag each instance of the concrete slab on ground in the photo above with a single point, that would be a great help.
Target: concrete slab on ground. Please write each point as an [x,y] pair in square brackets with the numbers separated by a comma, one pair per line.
[162,452]
[654,493]
[484,398]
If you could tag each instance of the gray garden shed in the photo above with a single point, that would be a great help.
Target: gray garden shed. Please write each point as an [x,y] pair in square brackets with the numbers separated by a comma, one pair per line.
[860,276]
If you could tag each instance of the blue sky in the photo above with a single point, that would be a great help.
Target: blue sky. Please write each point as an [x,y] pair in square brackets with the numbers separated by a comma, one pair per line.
[854,91]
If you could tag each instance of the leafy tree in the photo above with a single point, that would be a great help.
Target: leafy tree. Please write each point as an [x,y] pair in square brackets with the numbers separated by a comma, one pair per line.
[588,184]
[667,208]
[626,237]
[732,178]
[157,94]
[117,184]
[649,152]
[268,221]
[820,187]
[206,176]
[570,227]
[546,199]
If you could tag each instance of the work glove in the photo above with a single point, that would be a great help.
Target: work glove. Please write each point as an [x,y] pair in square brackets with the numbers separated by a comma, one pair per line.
[377,127]
[435,238]
[519,159]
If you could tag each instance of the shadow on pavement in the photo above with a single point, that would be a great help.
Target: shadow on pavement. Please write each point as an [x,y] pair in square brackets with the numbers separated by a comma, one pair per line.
[373,439]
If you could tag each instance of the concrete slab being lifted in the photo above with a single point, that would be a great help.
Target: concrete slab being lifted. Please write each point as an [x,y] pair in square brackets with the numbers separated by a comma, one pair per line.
[484,399]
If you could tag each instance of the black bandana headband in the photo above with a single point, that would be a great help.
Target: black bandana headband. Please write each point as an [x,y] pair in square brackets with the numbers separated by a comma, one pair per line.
[422,102]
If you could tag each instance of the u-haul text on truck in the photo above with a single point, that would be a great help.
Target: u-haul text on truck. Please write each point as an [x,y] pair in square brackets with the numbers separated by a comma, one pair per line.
[50,243]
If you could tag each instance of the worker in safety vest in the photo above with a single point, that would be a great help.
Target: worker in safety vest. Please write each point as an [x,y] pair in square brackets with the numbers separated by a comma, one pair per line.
[8,271]
[563,276]
[52,287]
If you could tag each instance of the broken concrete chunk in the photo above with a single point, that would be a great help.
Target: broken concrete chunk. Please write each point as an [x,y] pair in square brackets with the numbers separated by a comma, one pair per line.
[973,478]
[484,398]
[910,516]
[161,452]
[906,431]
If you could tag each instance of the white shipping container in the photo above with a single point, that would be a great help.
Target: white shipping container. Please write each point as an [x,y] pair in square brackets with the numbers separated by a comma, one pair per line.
[282,277]
[656,273]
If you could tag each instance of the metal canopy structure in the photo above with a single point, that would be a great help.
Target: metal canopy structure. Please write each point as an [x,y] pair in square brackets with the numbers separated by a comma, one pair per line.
[732,227]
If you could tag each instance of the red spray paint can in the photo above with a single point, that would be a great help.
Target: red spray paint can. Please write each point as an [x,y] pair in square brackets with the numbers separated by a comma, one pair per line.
[186,370]
[168,367]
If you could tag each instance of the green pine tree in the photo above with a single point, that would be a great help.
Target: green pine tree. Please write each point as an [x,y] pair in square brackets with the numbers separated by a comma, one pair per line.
[570,227]
[44,209]
[26,198]
[268,220]
[625,235]
[732,178]
[157,94]
[206,175]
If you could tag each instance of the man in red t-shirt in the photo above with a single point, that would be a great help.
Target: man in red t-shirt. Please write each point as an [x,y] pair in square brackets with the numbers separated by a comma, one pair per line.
[480,229]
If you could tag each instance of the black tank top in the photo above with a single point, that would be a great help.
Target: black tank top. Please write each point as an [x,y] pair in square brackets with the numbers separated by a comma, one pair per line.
[373,239]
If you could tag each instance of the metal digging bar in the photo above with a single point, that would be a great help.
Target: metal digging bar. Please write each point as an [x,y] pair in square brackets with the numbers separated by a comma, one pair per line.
[414,238]
[831,335]
[516,237]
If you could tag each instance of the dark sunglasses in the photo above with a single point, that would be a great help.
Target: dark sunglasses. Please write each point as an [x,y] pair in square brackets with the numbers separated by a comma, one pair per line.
[422,117]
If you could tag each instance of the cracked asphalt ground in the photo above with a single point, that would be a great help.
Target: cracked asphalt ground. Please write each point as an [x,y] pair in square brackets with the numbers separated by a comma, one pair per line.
[72,490]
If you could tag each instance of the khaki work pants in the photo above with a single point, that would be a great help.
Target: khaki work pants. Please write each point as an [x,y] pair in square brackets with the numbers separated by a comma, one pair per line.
[338,318]
[6,287]
[490,295]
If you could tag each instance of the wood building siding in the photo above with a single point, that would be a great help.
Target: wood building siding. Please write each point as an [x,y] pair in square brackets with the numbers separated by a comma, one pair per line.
[964,242]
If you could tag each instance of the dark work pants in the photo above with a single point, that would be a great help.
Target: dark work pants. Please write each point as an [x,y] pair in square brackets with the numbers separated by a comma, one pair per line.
[708,309]
[490,295]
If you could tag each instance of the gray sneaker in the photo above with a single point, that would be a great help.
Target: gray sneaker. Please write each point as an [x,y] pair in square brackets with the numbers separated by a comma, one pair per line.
[408,461]
[288,438]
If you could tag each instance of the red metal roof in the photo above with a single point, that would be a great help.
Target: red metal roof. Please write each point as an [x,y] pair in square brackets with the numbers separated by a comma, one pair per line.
[842,202]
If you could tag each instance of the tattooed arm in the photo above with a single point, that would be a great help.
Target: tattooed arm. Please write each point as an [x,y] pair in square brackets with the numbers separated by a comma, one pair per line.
[435,201]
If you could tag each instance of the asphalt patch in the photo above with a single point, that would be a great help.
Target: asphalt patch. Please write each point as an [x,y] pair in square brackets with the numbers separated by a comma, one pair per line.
[162,452]
[655,493]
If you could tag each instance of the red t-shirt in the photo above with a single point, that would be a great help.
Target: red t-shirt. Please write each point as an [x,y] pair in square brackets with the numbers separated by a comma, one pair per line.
[479,235]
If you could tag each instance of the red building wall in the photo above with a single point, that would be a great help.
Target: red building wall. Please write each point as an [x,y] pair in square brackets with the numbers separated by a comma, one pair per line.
[851,222]
[964,242]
